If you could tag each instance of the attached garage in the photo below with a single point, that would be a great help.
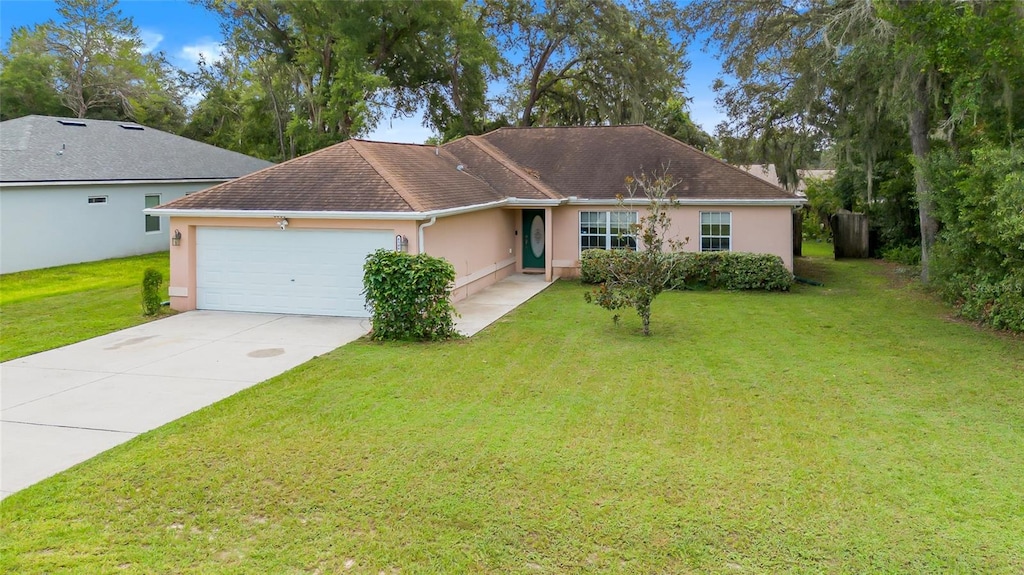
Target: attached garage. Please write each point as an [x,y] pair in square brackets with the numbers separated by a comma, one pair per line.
[309,272]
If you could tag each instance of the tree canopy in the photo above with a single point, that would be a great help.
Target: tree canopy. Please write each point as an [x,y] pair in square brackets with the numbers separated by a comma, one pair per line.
[589,61]
[921,99]
[89,63]
[297,75]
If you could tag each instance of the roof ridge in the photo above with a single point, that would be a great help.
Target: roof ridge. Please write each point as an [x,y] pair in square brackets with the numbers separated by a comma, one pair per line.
[497,155]
[720,161]
[389,143]
[400,189]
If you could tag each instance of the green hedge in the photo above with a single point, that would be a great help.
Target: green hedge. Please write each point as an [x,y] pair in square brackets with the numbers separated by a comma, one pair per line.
[709,270]
[409,297]
[995,302]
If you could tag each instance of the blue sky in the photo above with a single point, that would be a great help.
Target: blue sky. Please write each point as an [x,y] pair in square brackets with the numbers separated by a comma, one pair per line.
[183,31]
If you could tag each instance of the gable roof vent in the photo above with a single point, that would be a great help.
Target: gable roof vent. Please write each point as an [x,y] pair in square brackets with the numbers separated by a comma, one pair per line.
[71,123]
[132,127]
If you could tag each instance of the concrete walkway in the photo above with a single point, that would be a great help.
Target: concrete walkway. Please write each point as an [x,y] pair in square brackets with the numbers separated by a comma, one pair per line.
[61,407]
[487,306]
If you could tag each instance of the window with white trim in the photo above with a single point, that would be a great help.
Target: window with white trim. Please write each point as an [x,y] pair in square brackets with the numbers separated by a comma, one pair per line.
[152,222]
[97,199]
[607,230]
[715,231]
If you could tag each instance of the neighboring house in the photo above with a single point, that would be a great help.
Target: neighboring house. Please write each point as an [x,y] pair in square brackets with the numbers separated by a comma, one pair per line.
[292,238]
[768,173]
[73,190]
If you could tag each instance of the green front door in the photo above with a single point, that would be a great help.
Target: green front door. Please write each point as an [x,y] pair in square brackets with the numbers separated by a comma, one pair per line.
[533,239]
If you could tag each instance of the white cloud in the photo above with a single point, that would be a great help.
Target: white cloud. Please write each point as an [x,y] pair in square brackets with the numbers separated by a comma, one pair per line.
[150,40]
[206,49]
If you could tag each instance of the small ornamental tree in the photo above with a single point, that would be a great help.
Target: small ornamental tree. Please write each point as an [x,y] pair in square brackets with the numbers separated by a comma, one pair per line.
[408,296]
[635,279]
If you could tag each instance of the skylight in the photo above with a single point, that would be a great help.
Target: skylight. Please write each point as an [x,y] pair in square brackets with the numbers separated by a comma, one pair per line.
[71,123]
[132,127]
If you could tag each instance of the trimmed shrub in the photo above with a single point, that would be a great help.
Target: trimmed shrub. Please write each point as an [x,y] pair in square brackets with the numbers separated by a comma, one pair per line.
[731,271]
[151,282]
[408,296]
[595,264]
[703,270]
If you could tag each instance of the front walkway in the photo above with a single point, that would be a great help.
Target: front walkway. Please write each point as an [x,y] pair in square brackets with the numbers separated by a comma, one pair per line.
[61,407]
[487,306]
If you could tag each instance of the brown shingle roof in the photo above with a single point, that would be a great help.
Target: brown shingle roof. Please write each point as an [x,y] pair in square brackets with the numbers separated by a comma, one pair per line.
[337,178]
[523,163]
[593,162]
[487,162]
[428,177]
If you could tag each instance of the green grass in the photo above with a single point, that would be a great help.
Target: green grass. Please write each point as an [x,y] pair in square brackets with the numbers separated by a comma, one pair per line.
[47,308]
[850,428]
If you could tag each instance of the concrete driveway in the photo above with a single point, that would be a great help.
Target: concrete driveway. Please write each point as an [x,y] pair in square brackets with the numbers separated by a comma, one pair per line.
[61,407]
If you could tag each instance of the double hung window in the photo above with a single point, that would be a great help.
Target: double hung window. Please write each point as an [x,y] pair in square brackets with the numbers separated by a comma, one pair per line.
[715,231]
[607,230]
[152,222]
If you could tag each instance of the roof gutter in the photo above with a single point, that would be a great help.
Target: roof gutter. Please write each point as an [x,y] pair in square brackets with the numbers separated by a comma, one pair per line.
[520,202]
[426,215]
[689,202]
[433,220]
[321,215]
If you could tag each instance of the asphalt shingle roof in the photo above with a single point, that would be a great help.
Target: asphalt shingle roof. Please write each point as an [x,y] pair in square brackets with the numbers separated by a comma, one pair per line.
[353,176]
[522,163]
[48,149]
[593,162]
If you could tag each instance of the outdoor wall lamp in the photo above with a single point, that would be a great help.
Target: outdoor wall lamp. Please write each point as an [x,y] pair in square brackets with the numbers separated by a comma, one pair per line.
[176,238]
[401,243]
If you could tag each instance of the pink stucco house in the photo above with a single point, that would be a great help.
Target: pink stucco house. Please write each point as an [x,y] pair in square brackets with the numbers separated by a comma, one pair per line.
[292,238]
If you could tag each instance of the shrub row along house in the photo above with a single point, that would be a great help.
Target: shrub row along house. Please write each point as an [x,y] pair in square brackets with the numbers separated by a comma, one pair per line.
[74,190]
[292,238]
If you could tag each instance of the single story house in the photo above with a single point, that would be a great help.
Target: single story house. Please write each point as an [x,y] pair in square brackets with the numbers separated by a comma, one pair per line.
[769,173]
[73,190]
[292,238]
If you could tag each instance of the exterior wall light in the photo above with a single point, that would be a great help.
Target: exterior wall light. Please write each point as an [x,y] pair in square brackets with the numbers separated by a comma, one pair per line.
[401,244]
[176,238]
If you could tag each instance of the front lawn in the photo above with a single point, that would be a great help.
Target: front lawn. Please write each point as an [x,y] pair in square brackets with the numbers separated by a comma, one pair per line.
[851,428]
[51,307]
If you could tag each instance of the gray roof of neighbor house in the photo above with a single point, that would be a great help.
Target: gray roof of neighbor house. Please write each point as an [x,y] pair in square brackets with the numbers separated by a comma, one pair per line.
[527,164]
[48,149]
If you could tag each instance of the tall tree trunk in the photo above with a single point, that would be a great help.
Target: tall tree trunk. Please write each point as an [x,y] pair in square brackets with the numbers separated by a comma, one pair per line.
[277,118]
[527,118]
[918,121]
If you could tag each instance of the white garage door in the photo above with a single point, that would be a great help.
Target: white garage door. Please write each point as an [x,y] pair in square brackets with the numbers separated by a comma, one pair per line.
[314,272]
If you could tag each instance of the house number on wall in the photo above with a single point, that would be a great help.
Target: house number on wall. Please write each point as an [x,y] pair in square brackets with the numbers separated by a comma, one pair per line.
[537,236]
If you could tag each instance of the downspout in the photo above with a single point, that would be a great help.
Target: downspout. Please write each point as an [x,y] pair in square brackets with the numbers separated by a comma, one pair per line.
[432,221]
